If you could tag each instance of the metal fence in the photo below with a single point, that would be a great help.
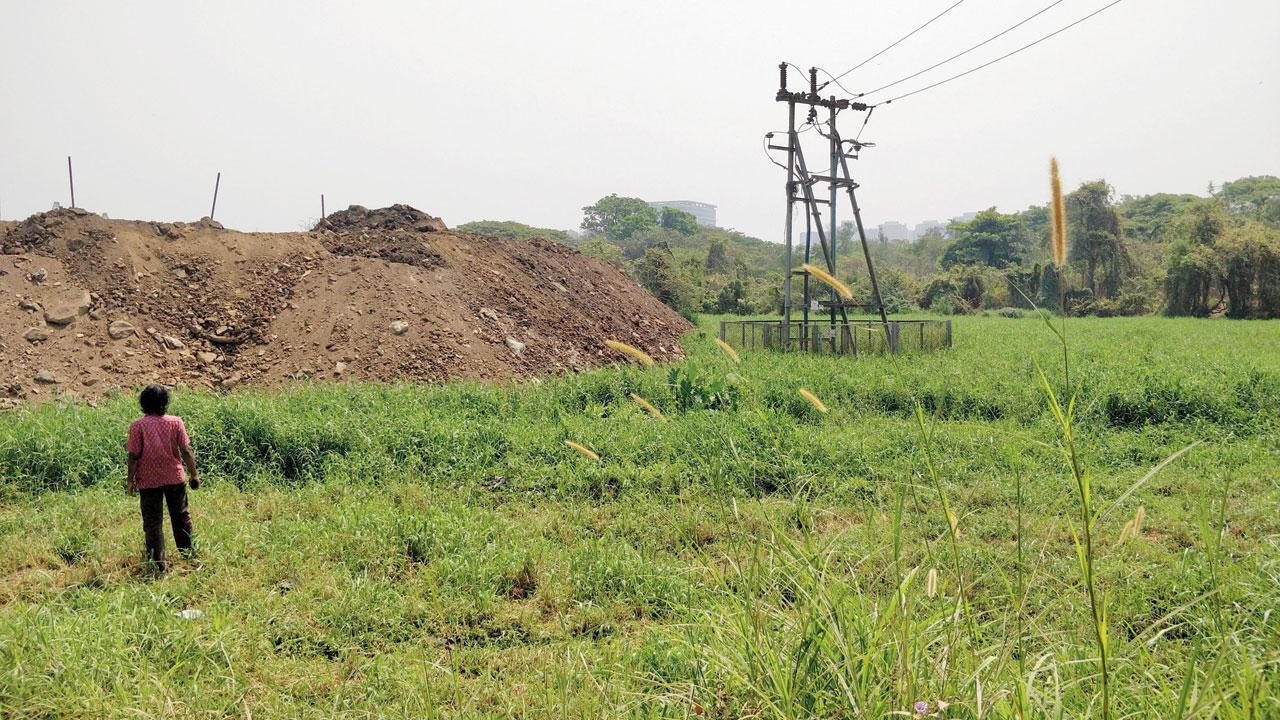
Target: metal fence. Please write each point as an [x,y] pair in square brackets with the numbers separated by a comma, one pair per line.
[856,337]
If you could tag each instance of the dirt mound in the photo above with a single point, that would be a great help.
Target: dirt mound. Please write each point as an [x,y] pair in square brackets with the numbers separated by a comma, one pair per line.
[92,304]
[395,234]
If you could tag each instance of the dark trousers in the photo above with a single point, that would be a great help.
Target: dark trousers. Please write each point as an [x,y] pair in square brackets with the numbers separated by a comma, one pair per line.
[153,501]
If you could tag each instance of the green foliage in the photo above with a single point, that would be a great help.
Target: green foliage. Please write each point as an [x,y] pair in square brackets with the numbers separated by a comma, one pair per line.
[516,231]
[1148,218]
[1256,198]
[678,220]
[1217,261]
[1094,241]
[692,391]
[618,218]
[718,260]
[990,239]
[598,246]
[661,275]
[962,289]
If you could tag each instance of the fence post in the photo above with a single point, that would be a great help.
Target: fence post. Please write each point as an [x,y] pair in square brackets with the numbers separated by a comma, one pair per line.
[948,333]
[893,338]
[722,326]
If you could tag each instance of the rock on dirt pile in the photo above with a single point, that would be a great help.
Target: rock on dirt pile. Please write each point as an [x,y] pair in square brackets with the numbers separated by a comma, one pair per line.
[92,304]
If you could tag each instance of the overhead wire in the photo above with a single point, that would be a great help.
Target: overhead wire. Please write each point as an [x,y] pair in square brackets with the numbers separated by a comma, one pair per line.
[895,43]
[765,141]
[940,63]
[1002,57]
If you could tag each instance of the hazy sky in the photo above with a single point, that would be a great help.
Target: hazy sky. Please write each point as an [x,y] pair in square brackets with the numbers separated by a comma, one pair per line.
[529,110]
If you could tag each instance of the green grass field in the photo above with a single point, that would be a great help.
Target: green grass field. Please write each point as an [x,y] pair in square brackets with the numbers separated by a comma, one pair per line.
[438,551]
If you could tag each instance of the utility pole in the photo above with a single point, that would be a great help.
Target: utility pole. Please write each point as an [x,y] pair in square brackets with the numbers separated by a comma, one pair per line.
[791,183]
[800,189]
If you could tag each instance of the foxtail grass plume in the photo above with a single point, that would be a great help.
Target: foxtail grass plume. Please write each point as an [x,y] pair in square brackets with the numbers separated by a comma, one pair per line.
[813,400]
[1058,219]
[931,584]
[648,407]
[1133,528]
[728,350]
[582,449]
[841,289]
[634,353]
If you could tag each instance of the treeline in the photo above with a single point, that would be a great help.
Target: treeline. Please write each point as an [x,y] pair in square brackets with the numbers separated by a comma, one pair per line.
[1217,254]
[1173,254]
[693,269]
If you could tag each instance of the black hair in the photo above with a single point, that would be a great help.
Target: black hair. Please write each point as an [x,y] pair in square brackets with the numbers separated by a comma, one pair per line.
[154,399]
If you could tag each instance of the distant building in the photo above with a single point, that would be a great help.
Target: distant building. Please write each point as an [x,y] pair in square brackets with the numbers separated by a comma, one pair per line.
[894,231]
[967,217]
[921,229]
[704,212]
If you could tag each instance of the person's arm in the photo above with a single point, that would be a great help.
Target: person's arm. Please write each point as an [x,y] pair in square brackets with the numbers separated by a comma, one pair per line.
[135,453]
[189,462]
[188,457]
[131,486]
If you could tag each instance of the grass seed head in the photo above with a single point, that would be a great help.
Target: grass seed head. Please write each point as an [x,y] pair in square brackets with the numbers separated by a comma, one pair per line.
[931,584]
[1059,216]
[582,449]
[634,353]
[813,400]
[648,407]
[728,350]
[841,289]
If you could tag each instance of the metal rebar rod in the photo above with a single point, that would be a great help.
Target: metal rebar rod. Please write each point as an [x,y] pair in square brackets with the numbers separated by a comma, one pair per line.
[71,180]
[216,182]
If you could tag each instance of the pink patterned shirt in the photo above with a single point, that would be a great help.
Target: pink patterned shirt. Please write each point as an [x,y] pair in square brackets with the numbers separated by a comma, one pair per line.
[157,438]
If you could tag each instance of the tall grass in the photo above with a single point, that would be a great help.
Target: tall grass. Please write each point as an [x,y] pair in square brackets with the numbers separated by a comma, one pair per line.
[438,551]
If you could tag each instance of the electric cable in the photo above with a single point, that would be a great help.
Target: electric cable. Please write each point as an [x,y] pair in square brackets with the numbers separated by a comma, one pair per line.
[1000,34]
[895,43]
[1002,57]
[771,133]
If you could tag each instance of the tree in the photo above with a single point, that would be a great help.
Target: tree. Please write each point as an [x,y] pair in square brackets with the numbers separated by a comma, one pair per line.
[731,297]
[678,220]
[618,218]
[1256,197]
[1148,217]
[1194,265]
[1093,231]
[844,238]
[718,256]
[991,239]
[960,289]
[660,274]
[925,253]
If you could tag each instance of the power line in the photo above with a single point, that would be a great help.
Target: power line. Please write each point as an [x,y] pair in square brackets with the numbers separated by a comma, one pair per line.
[1019,24]
[836,79]
[1002,57]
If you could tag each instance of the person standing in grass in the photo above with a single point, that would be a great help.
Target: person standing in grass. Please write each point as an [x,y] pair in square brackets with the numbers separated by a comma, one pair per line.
[159,449]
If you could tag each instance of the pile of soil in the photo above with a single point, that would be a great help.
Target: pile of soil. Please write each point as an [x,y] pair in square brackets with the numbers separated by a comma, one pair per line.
[89,304]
